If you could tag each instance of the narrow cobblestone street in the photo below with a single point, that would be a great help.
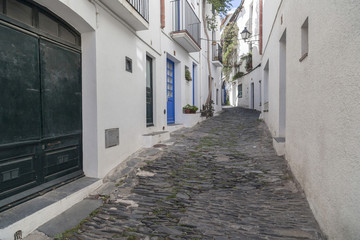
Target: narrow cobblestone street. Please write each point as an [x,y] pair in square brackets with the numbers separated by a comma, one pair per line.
[218,180]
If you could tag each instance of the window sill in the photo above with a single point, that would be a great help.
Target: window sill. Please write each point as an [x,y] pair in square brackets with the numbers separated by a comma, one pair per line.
[303,57]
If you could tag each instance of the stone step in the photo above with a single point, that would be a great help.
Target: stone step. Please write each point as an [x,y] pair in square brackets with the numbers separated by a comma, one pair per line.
[28,216]
[174,127]
[70,218]
[153,138]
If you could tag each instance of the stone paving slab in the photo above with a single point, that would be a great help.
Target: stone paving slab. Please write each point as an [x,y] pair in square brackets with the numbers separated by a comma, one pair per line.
[218,180]
[70,218]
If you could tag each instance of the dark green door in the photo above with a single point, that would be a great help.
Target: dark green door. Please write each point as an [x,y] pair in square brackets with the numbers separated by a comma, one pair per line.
[61,109]
[20,112]
[149,92]
[40,111]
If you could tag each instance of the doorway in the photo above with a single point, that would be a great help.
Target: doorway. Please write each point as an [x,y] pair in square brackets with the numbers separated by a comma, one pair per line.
[149,92]
[282,86]
[170,89]
[252,97]
[41,99]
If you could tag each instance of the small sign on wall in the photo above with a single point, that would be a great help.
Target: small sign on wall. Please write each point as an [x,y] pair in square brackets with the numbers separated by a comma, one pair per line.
[111,137]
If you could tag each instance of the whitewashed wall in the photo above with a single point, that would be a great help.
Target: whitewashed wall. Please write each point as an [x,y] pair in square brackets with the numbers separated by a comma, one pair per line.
[249,18]
[252,11]
[270,65]
[215,71]
[247,100]
[254,79]
[121,94]
[322,111]
[115,98]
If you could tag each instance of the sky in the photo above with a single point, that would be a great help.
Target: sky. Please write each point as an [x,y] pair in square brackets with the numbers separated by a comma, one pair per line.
[235,3]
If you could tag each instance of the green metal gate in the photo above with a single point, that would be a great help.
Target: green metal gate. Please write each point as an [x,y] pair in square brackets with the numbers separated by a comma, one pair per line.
[40,113]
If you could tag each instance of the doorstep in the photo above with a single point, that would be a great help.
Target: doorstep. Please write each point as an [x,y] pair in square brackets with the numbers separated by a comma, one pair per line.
[153,138]
[173,127]
[28,216]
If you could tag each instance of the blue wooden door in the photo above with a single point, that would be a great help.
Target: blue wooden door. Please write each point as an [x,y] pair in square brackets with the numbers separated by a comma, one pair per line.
[170,89]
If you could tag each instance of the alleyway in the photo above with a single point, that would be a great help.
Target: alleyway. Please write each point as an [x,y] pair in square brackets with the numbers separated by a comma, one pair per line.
[218,180]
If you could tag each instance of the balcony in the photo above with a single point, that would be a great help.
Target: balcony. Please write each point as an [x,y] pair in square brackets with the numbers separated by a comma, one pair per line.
[133,12]
[186,26]
[217,55]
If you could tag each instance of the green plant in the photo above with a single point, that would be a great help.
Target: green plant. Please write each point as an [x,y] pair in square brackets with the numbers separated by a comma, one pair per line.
[211,22]
[227,102]
[190,109]
[238,75]
[248,61]
[230,42]
[221,6]
[58,236]
[187,75]
[208,109]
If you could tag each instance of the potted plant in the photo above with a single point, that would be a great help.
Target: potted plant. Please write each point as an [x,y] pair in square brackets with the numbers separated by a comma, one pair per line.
[188,75]
[190,109]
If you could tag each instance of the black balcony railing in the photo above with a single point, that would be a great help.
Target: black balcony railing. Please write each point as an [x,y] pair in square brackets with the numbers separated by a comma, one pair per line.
[185,19]
[142,7]
[217,52]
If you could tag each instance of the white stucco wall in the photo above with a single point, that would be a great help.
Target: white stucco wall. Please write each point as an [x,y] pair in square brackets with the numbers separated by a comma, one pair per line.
[121,94]
[115,98]
[270,65]
[247,100]
[322,111]
[215,71]
[249,18]
[255,79]
[244,100]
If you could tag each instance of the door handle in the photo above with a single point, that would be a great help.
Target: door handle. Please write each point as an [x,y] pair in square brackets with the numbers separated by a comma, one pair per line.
[53,144]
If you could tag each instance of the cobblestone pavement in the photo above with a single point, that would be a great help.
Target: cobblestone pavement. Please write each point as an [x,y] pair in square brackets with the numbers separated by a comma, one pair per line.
[218,180]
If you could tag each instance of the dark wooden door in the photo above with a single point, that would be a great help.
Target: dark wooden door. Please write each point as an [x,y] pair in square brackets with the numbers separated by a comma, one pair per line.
[20,112]
[40,111]
[61,109]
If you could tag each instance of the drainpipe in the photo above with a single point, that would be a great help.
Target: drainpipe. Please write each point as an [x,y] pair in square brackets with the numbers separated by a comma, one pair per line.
[260,26]
[162,19]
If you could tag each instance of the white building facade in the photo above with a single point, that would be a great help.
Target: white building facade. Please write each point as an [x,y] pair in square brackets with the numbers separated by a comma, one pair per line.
[126,83]
[304,80]
[310,74]
[245,91]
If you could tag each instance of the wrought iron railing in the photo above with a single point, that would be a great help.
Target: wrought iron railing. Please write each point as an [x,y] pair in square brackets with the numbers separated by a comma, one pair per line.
[141,6]
[185,19]
[217,52]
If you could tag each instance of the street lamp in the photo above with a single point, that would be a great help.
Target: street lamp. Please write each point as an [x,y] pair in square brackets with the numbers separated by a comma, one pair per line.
[245,34]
